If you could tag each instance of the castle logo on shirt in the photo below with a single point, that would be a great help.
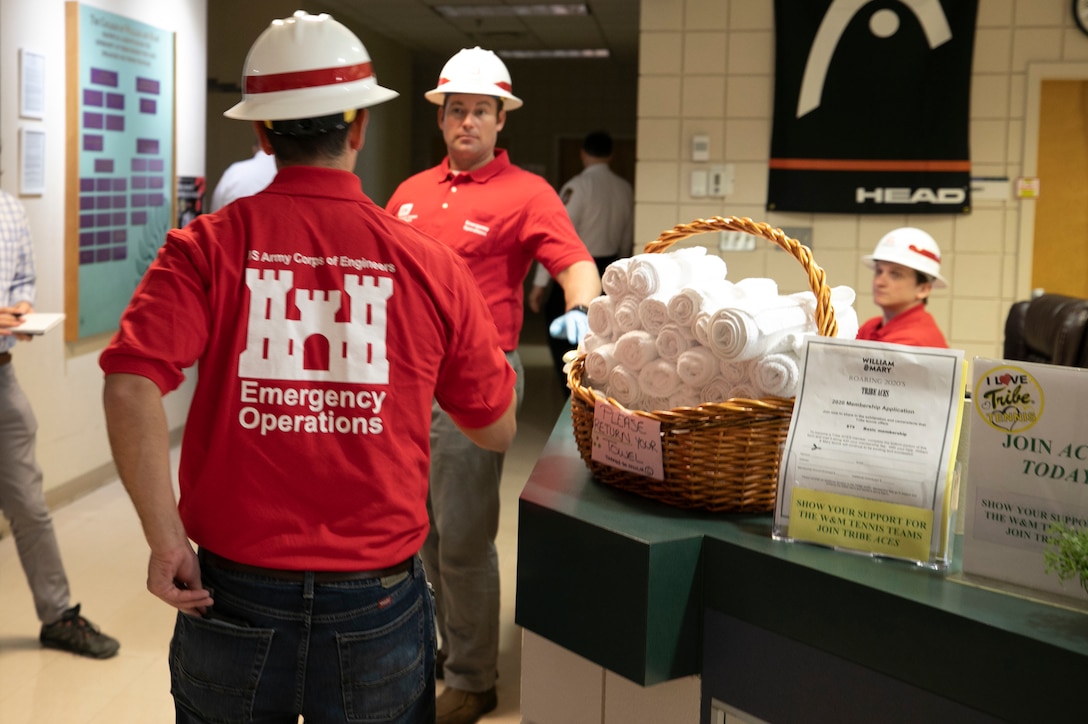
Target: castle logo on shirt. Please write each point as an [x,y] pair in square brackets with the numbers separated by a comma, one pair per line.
[287,362]
[316,346]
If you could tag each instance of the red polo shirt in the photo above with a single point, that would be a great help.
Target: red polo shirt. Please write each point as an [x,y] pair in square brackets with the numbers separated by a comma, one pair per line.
[915,326]
[499,218]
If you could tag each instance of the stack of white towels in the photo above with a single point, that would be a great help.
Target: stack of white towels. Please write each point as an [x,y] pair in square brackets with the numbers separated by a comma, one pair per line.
[671,331]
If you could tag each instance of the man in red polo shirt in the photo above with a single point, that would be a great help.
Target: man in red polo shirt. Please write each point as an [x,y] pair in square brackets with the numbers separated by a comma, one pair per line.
[324,330]
[498,218]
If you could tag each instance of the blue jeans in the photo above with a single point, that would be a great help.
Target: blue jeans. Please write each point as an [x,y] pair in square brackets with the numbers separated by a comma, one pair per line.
[272,650]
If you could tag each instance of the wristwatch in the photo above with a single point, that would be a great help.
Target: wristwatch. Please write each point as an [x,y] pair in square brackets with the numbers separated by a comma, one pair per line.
[1080,14]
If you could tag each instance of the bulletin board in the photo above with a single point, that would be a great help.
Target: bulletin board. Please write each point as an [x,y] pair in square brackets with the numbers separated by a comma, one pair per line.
[120,161]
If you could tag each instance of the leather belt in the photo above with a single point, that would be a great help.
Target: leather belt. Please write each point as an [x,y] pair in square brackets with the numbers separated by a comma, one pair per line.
[280,574]
[5,357]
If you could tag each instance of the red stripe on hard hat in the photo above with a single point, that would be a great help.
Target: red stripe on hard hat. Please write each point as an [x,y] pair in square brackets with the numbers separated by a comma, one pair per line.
[926,253]
[307,78]
[505,86]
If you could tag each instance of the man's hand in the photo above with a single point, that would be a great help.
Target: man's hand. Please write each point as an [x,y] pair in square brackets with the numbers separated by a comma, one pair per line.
[573,326]
[174,576]
[11,318]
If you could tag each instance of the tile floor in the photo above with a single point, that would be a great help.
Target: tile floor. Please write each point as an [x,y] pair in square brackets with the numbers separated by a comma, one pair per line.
[106,557]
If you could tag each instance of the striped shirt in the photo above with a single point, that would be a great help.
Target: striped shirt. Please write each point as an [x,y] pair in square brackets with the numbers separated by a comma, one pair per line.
[16,259]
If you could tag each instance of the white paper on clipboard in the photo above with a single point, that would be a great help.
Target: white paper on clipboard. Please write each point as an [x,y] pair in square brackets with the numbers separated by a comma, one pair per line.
[37,323]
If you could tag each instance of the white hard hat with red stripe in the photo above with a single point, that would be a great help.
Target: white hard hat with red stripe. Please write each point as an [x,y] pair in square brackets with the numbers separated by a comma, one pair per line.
[307,66]
[476,71]
[912,248]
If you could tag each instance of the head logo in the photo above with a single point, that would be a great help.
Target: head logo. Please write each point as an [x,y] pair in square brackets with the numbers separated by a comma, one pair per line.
[1009,399]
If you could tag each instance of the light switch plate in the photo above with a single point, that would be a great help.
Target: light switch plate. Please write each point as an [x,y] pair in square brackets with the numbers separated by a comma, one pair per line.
[699,183]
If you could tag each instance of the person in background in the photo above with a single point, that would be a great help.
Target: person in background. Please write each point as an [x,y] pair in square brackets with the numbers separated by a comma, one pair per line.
[498,218]
[906,266]
[324,328]
[22,498]
[601,206]
[244,178]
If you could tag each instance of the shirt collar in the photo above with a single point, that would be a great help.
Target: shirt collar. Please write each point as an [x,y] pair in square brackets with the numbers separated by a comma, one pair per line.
[480,175]
[316,181]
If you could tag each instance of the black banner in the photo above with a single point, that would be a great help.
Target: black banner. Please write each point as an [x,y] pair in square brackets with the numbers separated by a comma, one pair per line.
[871,106]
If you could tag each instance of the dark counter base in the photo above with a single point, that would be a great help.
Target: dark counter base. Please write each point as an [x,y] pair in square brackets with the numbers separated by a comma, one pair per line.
[647,591]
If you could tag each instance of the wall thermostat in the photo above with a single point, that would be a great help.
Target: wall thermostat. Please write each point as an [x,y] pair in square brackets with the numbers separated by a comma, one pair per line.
[700,148]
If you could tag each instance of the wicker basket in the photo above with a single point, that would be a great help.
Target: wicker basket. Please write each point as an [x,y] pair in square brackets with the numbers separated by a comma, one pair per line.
[719,456]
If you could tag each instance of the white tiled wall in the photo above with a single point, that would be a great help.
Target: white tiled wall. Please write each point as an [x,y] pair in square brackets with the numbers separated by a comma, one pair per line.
[707,67]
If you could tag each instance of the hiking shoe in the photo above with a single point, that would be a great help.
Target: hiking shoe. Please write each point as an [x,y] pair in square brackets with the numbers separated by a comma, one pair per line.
[79,636]
[455,706]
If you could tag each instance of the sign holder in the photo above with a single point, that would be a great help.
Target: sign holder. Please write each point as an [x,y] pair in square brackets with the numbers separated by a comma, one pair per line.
[868,465]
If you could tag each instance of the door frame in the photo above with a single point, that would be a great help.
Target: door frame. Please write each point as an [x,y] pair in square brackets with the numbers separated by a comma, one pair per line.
[1037,73]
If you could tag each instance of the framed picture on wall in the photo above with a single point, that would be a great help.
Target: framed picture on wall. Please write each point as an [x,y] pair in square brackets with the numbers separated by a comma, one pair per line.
[31,84]
[31,161]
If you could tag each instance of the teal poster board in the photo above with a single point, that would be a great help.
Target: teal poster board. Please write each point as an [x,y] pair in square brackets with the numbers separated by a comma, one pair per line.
[120,160]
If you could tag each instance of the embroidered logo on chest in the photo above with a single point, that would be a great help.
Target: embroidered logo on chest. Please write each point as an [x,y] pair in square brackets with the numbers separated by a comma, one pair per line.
[404,213]
[473,228]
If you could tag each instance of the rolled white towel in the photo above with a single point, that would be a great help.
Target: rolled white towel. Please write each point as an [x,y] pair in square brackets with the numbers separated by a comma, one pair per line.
[653,312]
[685,396]
[786,341]
[592,341]
[734,372]
[672,339]
[623,386]
[717,390]
[842,302]
[601,315]
[700,328]
[658,378]
[696,366]
[651,273]
[744,390]
[635,349]
[742,331]
[599,363]
[847,320]
[650,403]
[688,301]
[625,314]
[758,287]
[614,279]
[776,374]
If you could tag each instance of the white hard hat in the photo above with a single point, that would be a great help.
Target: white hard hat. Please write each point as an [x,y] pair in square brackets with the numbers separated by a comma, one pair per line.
[478,71]
[307,66]
[912,248]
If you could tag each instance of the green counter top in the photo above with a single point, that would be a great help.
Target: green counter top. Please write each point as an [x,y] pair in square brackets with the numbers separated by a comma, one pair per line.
[624,582]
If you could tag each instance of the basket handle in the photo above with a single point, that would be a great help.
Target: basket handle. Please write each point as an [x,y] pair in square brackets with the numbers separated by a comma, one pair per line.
[817,278]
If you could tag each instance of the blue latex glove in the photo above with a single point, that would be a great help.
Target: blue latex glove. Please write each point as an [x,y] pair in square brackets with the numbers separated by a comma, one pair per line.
[573,325]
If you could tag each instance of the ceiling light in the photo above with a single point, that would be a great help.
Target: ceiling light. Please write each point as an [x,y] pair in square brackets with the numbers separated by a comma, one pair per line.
[554,54]
[491,11]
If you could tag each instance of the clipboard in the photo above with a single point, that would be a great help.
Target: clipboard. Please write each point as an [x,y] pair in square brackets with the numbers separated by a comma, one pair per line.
[38,323]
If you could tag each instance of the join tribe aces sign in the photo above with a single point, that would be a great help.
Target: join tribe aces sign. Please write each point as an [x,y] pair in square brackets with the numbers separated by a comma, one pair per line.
[871,106]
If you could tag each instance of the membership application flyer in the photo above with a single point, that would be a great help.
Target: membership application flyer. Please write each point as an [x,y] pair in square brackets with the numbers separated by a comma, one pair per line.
[874,421]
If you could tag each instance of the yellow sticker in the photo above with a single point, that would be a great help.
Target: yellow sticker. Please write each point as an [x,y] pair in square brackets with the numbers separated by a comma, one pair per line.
[890,529]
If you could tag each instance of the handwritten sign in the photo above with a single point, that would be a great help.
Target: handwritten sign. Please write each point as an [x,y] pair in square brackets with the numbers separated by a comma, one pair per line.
[627,441]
